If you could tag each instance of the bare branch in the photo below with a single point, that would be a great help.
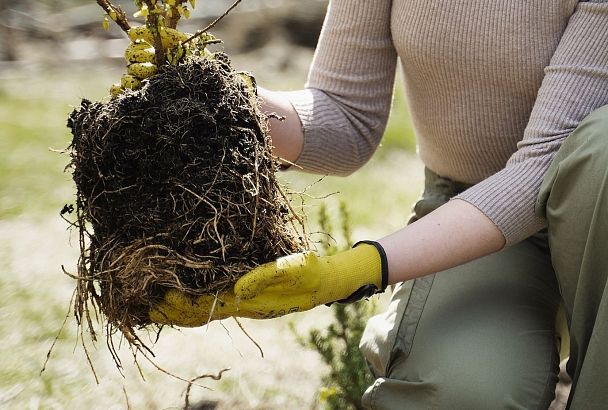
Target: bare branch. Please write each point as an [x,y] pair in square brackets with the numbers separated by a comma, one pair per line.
[213,23]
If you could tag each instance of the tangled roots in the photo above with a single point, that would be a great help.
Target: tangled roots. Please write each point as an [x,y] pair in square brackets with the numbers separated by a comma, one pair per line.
[176,188]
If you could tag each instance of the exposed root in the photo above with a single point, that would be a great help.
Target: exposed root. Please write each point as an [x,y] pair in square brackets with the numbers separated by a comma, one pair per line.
[191,383]
[176,189]
[238,322]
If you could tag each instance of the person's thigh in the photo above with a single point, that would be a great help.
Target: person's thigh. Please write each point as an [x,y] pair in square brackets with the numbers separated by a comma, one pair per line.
[479,336]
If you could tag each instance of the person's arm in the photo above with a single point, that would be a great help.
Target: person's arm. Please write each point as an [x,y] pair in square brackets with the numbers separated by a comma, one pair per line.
[453,234]
[286,133]
[344,107]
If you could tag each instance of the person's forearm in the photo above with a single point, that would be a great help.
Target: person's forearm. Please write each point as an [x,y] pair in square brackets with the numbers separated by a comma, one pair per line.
[454,234]
[287,136]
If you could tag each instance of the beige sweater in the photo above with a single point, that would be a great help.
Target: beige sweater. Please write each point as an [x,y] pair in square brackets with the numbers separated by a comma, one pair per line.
[493,87]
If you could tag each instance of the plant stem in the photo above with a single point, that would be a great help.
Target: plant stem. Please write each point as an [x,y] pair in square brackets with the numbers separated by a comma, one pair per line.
[175,16]
[153,25]
[121,16]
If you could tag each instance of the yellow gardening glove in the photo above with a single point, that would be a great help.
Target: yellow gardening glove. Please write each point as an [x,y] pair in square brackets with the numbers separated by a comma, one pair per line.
[180,309]
[302,281]
[293,283]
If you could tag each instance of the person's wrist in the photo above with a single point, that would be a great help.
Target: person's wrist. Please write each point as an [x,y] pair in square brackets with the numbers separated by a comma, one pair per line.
[356,273]
[383,277]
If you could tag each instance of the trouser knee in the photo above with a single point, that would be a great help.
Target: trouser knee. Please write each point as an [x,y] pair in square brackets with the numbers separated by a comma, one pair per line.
[461,385]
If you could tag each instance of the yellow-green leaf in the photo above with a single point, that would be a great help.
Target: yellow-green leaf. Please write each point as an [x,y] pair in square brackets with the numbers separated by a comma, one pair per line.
[143,11]
[180,51]
[326,393]
[106,23]
[186,13]
[193,3]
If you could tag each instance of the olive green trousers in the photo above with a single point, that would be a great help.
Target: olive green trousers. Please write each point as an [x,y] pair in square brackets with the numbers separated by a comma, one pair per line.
[482,335]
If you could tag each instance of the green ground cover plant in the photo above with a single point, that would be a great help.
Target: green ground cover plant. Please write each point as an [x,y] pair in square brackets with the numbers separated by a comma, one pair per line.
[338,344]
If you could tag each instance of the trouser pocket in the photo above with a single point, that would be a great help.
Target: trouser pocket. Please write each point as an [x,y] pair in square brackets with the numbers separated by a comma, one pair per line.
[388,337]
[381,331]
[408,322]
[387,394]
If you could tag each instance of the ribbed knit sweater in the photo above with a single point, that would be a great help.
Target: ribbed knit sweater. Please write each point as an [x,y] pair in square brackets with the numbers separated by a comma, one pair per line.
[493,87]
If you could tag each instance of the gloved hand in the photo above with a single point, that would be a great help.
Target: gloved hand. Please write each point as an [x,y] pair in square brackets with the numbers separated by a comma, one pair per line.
[293,283]
[305,280]
[180,309]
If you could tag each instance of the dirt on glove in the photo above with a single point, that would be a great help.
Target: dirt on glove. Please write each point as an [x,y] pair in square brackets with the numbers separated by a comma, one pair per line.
[176,189]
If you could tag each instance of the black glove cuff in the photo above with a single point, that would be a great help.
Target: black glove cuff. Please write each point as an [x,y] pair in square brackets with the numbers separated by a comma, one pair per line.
[383,262]
[363,292]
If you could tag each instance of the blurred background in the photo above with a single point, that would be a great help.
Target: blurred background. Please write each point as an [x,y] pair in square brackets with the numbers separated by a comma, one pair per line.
[52,54]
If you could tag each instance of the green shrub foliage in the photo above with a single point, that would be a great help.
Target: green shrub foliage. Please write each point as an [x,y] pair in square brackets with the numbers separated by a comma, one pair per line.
[338,344]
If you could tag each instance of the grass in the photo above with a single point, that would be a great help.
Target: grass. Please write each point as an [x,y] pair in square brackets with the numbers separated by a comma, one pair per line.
[32,124]
[35,243]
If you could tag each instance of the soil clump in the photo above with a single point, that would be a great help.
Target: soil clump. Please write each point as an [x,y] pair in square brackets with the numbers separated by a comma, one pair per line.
[176,188]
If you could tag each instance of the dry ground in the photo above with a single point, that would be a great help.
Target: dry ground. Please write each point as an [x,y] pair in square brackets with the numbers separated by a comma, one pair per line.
[36,297]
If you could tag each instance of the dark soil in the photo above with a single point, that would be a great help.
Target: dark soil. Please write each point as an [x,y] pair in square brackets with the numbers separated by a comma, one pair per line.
[176,188]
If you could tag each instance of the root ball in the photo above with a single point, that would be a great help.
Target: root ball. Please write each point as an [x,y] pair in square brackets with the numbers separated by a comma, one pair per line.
[176,188]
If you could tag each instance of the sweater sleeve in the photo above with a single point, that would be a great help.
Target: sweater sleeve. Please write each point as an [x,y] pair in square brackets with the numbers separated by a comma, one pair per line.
[575,84]
[346,102]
